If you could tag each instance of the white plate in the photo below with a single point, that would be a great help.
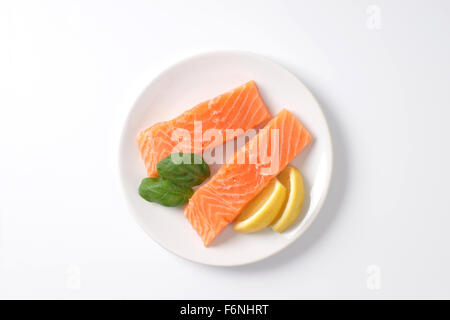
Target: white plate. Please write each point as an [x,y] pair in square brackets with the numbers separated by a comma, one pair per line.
[197,79]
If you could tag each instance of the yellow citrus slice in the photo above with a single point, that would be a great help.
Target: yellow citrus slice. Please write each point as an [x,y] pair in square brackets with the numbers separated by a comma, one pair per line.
[262,210]
[292,179]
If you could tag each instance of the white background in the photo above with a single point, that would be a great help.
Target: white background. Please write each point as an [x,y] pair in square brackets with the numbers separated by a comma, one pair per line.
[383,81]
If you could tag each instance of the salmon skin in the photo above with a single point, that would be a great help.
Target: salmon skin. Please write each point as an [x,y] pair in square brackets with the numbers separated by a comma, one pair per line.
[241,108]
[218,202]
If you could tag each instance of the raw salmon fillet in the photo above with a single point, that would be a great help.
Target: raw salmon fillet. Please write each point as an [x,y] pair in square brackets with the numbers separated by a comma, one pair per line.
[218,202]
[241,108]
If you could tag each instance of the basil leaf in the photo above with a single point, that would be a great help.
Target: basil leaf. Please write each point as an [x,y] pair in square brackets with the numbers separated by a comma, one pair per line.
[164,192]
[185,169]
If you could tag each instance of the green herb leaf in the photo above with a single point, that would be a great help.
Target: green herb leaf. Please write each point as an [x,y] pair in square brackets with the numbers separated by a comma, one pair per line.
[184,169]
[164,192]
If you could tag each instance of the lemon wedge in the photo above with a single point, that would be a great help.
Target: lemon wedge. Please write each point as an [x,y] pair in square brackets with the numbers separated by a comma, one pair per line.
[262,210]
[292,179]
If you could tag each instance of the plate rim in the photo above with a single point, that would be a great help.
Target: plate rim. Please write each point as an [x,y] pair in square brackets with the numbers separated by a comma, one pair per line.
[143,87]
